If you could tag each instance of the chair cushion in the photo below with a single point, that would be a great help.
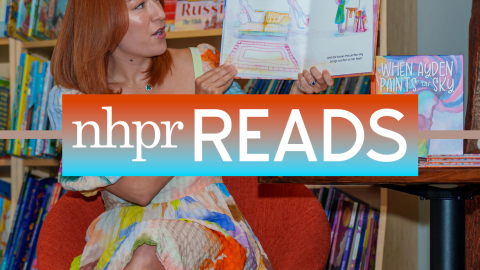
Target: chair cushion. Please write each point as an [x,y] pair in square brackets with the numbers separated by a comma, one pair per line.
[287,219]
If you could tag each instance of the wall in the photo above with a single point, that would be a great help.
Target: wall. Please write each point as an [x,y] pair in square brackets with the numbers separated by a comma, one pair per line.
[442,28]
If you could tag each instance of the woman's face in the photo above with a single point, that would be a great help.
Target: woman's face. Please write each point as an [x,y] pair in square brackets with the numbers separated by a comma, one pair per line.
[146,32]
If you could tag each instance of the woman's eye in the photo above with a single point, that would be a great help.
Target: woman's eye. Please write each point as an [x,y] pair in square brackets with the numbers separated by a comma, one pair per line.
[140,6]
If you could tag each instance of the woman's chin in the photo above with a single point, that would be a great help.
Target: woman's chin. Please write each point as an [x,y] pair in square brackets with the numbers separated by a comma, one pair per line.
[159,50]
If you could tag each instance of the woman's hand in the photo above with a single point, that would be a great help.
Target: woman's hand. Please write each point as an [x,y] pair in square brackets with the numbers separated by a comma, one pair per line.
[312,82]
[216,81]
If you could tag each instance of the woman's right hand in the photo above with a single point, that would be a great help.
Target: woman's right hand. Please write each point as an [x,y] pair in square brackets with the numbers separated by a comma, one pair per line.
[216,81]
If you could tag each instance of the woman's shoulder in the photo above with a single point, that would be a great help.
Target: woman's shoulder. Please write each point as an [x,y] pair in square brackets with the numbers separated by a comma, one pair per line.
[209,55]
[60,90]
[55,96]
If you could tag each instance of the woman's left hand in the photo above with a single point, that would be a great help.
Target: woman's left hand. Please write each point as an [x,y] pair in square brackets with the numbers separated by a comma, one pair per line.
[312,82]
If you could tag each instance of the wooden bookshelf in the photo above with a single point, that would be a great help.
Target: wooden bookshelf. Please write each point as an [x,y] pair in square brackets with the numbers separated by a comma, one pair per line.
[3,41]
[4,162]
[170,35]
[41,162]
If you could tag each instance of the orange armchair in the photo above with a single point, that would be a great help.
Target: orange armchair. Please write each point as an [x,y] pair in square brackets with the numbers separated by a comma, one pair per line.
[287,219]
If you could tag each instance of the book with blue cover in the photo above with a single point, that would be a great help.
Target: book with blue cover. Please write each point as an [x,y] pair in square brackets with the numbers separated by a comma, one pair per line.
[438,82]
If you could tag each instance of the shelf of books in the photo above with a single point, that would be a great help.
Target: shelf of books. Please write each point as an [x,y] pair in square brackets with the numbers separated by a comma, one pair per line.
[354,217]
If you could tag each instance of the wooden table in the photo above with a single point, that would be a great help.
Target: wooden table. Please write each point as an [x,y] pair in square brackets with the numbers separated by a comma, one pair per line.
[425,176]
[447,206]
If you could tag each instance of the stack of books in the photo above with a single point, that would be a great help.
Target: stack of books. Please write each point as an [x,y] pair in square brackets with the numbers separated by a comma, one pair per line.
[348,85]
[32,20]
[36,199]
[444,161]
[33,85]
[354,230]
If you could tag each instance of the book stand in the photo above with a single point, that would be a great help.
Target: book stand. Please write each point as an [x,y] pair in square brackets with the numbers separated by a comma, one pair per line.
[447,206]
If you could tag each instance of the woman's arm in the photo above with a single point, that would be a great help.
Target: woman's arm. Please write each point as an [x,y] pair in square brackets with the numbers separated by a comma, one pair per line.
[138,189]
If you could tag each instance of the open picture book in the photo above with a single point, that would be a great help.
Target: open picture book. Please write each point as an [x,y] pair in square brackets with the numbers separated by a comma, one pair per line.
[277,39]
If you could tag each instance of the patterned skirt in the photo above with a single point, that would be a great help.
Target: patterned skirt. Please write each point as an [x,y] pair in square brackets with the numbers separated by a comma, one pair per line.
[204,230]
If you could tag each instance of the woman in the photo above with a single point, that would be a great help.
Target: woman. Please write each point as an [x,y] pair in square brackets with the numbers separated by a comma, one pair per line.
[119,46]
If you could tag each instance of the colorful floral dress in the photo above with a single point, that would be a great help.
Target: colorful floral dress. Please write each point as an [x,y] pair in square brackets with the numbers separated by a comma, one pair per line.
[193,221]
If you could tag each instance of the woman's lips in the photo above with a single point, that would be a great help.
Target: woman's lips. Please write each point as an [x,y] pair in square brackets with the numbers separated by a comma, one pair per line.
[160,33]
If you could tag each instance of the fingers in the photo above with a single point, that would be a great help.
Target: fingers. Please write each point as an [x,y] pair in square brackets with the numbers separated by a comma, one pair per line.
[327,77]
[222,75]
[319,78]
[304,86]
[216,81]
[309,84]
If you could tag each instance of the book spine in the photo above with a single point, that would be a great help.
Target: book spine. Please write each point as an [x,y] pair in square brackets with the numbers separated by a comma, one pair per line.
[334,234]
[339,85]
[358,86]
[38,226]
[366,240]
[374,244]
[16,221]
[329,202]
[356,239]
[33,9]
[25,233]
[351,229]
[370,243]
[358,258]
[280,85]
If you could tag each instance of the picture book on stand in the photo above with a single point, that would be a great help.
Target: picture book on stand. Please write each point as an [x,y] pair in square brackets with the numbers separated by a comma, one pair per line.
[192,15]
[277,39]
[438,82]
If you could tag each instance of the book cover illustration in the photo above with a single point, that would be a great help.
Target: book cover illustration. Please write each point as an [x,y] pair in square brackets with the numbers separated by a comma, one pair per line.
[13,13]
[274,39]
[192,15]
[438,82]
[170,7]
[50,18]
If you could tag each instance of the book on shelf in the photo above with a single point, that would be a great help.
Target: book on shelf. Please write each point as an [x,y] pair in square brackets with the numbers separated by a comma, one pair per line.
[36,199]
[359,85]
[452,161]
[5,212]
[354,229]
[193,15]
[32,20]
[272,39]
[438,82]
[4,104]
[33,84]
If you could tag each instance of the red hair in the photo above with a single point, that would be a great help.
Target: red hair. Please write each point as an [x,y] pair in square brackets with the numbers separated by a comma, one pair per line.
[91,31]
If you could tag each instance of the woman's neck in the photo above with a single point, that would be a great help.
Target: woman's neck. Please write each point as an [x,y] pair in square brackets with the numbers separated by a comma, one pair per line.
[127,69]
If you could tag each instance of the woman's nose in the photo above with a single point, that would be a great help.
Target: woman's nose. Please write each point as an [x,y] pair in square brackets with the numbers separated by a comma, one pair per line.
[156,11]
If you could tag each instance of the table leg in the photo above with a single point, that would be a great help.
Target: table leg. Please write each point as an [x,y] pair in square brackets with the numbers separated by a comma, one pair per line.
[447,234]
[346,22]
[447,222]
